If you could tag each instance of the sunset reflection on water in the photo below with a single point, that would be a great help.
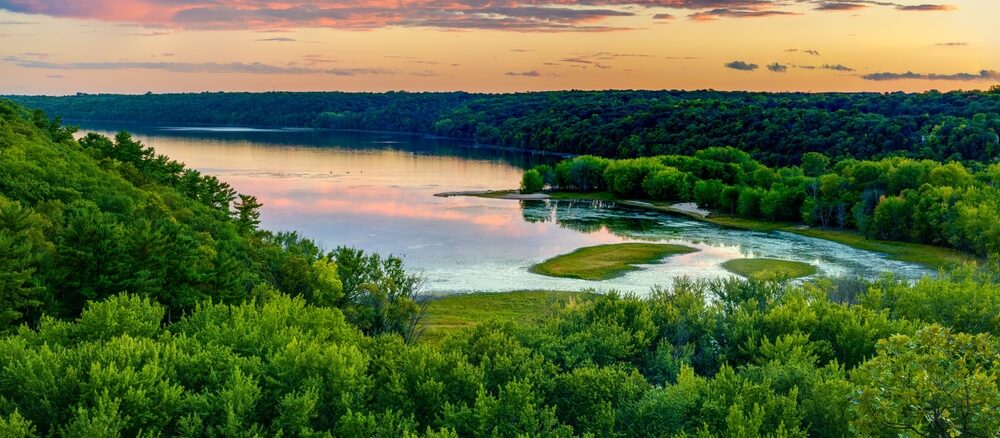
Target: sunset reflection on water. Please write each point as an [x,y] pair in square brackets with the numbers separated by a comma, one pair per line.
[376,192]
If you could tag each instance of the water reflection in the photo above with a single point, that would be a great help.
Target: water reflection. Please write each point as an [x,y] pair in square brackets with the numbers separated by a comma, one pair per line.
[375,191]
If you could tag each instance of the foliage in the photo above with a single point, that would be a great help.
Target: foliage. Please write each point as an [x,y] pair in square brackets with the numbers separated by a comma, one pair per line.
[935,383]
[776,128]
[532,182]
[141,299]
[899,199]
[90,219]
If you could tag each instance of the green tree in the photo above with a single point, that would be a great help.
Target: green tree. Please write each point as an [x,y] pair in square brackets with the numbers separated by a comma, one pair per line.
[708,192]
[22,247]
[668,184]
[814,164]
[934,384]
[247,213]
[532,182]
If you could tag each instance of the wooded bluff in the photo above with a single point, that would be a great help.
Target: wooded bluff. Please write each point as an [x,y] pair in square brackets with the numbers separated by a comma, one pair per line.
[775,128]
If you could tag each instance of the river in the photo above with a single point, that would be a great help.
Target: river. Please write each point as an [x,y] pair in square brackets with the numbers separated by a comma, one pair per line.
[375,191]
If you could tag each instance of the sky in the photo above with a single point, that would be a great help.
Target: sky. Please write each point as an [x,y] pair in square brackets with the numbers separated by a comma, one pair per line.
[60,47]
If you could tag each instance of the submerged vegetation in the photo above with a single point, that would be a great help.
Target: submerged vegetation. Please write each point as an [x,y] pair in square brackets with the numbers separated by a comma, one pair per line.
[140,298]
[603,262]
[765,268]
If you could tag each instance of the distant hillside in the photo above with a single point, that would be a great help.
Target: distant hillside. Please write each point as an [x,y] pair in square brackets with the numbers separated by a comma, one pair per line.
[776,128]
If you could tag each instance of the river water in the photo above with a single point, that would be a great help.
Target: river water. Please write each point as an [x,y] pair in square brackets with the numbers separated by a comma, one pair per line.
[375,191]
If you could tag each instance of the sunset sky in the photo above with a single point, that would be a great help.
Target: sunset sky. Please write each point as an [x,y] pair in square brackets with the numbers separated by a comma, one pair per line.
[69,46]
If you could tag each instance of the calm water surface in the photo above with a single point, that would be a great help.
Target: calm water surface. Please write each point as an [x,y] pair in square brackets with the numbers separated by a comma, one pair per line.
[375,191]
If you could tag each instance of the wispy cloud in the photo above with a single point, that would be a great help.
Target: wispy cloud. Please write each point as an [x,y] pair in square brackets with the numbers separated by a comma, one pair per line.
[836,67]
[197,67]
[531,73]
[806,51]
[741,65]
[277,40]
[840,6]
[510,15]
[952,44]
[715,14]
[777,67]
[983,75]
[925,8]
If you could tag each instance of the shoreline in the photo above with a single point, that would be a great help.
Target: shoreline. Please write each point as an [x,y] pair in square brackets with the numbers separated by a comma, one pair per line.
[462,141]
[929,256]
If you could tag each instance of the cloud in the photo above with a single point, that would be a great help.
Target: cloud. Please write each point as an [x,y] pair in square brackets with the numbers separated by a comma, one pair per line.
[318,59]
[715,14]
[840,6]
[983,75]
[740,65]
[277,40]
[532,73]
[508,15]
[152,33]
[807,51]
[777,68]
[925,8]
[836,67]
[952,44]
[194,67]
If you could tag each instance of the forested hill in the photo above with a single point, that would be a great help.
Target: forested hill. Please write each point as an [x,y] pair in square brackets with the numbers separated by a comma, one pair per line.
[87,219]
[776,128]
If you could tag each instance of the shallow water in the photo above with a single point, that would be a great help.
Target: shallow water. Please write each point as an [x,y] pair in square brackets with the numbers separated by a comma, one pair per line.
[375,191]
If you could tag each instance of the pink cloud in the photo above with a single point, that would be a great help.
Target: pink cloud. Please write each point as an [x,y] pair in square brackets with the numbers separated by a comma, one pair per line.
[511,15]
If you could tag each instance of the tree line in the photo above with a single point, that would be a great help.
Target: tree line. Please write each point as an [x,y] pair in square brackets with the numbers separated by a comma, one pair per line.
[709,358]
[140,298]
[775,128]
[903,199]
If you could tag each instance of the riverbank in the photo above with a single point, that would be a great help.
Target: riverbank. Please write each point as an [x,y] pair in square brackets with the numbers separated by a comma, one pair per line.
[930,256]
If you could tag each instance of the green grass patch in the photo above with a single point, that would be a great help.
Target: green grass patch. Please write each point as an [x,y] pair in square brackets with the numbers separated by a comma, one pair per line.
[449,313]
[607,261]
[934,257]
[769,268]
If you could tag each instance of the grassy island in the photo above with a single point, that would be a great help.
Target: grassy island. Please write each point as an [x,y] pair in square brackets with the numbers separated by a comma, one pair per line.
[603,262]
[769,267]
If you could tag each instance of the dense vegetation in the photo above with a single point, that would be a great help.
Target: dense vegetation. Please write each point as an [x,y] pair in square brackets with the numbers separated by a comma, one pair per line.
[140,299]
[84,220]
[896,198]
[775,128]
